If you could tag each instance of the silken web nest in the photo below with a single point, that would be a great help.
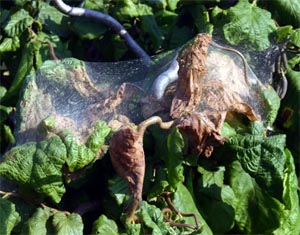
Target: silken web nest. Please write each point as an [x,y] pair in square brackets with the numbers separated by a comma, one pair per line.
[194,89]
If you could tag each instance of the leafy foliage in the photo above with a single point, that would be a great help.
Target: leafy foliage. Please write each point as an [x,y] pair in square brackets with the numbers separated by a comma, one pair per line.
[40,165]
[9,216]
[103,225]
[249,23]
[67,224]
[249,185]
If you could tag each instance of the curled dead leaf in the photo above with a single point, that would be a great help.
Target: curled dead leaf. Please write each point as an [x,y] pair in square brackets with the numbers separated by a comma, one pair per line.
[127,156]
[244,109]
[211,87]
[82,82]
[201,131]
[192,70]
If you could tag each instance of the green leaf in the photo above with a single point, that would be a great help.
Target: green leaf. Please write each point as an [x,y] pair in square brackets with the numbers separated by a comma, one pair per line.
[285,11]
[256,211]
[293,62]
[103,225]
[160,184]
[158,4]
[53,20]
[154,220]
[9,217]
[227,130]
[211,177]
[149,26]
[97,5]
[67,224]
[42,52]
[4,112]
[47,166]
[18,22]
[272,104]
[6,135]
[78,155]
[24,69]
[133,229]
[119,190]
[290,222]
[255,202]
[38,165]
[17,164]
[97,138]
[179,36]
[295,37]
[166,21]
[87,29]
[128,10]
[216,200]
[21,3]
[173,158]
[249,24]
[2,92]
[283,32]
[10,44]
[172,4]
[262,157]
[37,222]
[289,116]
[200,18]
[184,202]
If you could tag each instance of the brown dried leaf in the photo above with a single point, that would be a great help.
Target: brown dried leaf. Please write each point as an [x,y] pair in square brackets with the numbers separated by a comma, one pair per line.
[202,131]
[82,82]
[121,121]
[127,156]
[125,101]
[108,105]
[207,93]
[191,72]
[244,109]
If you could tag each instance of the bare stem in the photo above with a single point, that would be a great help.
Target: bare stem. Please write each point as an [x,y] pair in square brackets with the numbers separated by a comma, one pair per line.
[153,120]
[8,194]
[172,206]
[53,210]
[51,50]
[239,54]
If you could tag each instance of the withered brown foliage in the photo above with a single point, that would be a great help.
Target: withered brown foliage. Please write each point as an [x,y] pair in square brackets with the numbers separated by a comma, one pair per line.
[199,108]
[201,131]
[191,73]
[200,105]
[127,156]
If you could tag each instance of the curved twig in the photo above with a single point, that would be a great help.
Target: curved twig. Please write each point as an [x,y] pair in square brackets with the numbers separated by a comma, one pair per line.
[8,194]
[50,46]
[153,120]
[110,22]
[212,43]
[172,206]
